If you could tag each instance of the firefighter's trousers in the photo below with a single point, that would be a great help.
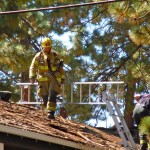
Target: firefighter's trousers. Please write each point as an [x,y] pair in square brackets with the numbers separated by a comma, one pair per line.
[48,90]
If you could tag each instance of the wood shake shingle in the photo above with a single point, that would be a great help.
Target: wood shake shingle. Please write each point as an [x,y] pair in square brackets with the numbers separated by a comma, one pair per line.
[25,121]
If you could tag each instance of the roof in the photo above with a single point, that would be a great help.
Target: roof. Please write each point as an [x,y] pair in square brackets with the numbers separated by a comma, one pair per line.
[32,123]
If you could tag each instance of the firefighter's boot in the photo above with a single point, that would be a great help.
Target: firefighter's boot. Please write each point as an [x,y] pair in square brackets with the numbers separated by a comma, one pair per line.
[50,115]
[51,107]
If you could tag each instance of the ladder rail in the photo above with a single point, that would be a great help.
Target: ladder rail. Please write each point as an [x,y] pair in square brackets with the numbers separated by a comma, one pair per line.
[122,127]
[128,134]
[115,119]
[71,90]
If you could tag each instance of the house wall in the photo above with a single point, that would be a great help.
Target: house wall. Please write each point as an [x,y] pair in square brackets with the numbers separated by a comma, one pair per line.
[14,142]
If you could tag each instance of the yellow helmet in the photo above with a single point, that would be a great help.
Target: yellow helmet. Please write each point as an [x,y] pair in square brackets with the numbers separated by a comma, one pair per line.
[46,42]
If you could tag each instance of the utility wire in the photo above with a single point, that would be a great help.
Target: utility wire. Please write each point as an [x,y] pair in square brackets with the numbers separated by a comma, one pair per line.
[58,7]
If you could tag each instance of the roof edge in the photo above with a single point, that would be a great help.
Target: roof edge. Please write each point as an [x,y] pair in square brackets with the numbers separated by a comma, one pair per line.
[42,137]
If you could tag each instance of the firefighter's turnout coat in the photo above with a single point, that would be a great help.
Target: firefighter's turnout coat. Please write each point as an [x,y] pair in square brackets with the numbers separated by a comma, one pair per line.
[47,69]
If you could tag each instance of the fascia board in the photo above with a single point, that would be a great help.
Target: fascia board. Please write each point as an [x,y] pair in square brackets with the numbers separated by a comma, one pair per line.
[42,137]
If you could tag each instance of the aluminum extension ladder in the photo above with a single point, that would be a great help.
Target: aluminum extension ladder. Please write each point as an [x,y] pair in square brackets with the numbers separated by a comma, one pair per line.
[107,99]
[120,123]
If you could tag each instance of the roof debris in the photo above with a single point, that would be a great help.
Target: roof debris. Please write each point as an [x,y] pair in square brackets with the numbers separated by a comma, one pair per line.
[31,119]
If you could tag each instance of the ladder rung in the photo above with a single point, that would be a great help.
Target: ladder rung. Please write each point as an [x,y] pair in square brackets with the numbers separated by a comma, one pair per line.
[120,116]
[111,100]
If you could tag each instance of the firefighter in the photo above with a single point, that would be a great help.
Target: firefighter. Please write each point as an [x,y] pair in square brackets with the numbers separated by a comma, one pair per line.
[140,111]
[47,69]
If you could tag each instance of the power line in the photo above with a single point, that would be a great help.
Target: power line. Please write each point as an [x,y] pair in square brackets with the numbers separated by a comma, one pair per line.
[58,7]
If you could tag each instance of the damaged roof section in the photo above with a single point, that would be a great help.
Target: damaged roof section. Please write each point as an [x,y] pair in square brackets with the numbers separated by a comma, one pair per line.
[29,122]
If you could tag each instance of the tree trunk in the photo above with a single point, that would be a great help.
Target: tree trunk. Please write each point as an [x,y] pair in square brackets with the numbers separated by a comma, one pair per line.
[129,105]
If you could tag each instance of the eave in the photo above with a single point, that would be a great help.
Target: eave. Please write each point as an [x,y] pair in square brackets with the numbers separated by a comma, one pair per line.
[41,137]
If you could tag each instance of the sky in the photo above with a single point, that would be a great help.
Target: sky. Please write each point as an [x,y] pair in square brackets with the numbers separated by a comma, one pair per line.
[64,38]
